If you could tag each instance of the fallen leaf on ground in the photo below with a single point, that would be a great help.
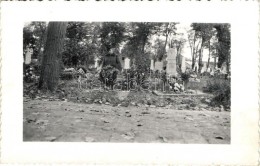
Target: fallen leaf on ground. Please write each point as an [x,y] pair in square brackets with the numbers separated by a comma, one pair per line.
[164,139]
[94,110]
[89,139]
[188,118]
[51,139]
[128,135]
[145,113]
[219,137]
[41,122]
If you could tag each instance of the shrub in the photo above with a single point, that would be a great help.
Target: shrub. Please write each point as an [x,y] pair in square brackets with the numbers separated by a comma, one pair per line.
[221,90]
[185,77]
[67,75]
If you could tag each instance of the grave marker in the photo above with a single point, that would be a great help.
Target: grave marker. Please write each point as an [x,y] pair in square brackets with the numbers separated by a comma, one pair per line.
[28,56]
[183,64]
[204,68]
[96,62]
[127,63]
[158,66]
[152,64]
[171,62]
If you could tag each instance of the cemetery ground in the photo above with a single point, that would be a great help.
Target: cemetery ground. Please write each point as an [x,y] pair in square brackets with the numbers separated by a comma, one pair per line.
[92,115]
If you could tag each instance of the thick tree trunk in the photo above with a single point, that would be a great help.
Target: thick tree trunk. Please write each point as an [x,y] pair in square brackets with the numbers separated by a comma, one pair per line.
[41,45]
[200,60]
[201,56]
[50,68]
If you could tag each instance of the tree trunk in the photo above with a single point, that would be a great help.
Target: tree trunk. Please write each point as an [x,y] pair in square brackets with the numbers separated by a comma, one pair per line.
[50,68]
[228,63]
[194,53]
[201,56]
[166,40]
[193,63]
[200,60]
[208,57]
[42,42]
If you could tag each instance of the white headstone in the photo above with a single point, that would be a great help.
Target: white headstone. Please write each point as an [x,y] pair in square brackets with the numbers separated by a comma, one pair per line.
[127,63]
[204,68]
[152,64]
[28,56]
[96,62]
[209,70]
[171,62]
[196,66]
[158,66]
[183,64]
[224,68]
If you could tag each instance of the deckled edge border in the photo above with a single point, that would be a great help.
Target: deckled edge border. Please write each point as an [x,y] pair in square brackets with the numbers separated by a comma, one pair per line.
[258,83]
[0,83]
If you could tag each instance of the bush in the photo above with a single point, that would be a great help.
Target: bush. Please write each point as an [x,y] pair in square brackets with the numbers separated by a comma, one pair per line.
[108,75]
[31,73]
[221,90]
[185,77]
[67,75]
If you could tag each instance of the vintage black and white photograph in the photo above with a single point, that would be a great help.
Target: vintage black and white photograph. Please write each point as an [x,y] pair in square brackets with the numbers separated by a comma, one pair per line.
[127,82]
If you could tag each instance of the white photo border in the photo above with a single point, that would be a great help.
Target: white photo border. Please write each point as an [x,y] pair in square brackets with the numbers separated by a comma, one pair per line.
[243,17]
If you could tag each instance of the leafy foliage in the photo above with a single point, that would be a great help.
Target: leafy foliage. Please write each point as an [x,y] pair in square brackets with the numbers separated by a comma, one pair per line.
[111,34]
[81,44]
[221,90]
[34,36]
[223,35]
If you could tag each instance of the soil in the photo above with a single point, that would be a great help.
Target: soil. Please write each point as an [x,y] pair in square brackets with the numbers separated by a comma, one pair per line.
[93,116]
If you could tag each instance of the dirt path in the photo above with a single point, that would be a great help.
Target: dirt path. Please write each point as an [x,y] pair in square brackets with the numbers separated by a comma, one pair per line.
[75,122]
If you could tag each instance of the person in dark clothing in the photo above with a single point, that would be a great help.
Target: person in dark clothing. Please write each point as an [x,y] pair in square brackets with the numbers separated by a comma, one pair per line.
[112,59]
[110,68]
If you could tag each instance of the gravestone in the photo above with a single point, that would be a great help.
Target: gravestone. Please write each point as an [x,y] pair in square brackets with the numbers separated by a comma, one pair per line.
[183,64]
[224,68]
[204,68]
[28,56]
[152,64]
[158,66]
[127,63]
[96,63]
[171,62]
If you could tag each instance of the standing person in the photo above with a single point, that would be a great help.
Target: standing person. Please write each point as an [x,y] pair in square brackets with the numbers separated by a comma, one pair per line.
[110,68]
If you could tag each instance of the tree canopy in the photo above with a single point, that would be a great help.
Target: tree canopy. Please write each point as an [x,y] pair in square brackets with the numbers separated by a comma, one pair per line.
[85,41]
